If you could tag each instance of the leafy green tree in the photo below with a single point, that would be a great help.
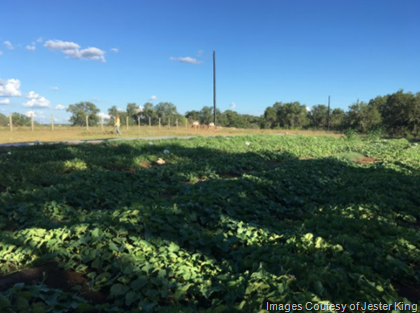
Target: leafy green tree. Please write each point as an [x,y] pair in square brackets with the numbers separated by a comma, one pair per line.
[337,119]
[4,120]
[234,119]
[150,111]
[132,113]
[166,111]
[82,109]
[292,115]
[20,119]
[193,116]
[379,103]
[401,113]
[206,115]
[221,119]
[270,118]
[319,116]
[363,117]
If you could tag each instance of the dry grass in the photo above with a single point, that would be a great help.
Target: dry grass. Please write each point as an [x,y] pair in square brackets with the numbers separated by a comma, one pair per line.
[67,133]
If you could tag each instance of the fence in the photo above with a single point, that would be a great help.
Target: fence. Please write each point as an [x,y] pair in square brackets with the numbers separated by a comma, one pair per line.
[146,122]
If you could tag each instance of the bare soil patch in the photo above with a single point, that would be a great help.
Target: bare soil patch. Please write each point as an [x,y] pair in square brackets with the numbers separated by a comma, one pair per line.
[366,160]
[145,164]
[410,292]
[229,175]
[55,277]
[272,163]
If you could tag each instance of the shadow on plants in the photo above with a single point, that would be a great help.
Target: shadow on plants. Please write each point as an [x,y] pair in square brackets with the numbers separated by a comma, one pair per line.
[215,228]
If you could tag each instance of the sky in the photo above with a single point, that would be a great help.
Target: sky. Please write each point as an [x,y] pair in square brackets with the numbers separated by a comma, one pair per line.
[56,53]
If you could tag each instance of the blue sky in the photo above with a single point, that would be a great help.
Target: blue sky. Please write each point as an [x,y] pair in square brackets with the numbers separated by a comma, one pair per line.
[56,53]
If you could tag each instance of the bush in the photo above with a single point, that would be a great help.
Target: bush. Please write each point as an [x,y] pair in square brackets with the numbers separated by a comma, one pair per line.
[376,134]
[350,134]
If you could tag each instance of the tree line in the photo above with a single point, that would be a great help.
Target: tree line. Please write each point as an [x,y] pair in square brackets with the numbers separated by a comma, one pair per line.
[396,114]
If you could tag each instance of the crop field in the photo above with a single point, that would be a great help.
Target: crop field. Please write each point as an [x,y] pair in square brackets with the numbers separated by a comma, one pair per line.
[221,224]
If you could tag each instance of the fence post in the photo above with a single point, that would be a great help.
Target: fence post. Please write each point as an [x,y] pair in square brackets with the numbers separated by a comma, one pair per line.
[139,122]
[150,124]
[87,123]
[32,122]
[159,123]
[11,122]
[126,120]
[186,124]
[176,124]
[169,123]
[52,122]
[102,123]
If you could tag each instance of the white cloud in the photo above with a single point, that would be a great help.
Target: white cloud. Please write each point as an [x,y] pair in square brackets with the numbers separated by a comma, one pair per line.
[200,53]
[61,45]
[39,40]
[10,88]
[308,109]
[54,88]
[115,50]
[232,105]
[8,45]
[72,50]
[1,53]
[105,116]
[186,60]
[36,101]
[30,47]
[5,101]
[60,107]
[37,114]
[153,98]
[32,95]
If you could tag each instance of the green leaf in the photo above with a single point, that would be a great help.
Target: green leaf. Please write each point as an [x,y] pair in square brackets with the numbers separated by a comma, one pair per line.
[113,247]
[4,302]
[173,247]
[139,283]
[130,297]
[118,290]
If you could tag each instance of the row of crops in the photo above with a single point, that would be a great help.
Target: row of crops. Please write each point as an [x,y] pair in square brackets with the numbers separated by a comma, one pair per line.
[225,224]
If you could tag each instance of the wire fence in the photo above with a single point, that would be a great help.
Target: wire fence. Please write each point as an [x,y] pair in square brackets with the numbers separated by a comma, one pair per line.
[107,125]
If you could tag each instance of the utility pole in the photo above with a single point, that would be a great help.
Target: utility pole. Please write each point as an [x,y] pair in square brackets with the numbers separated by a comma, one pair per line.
[214,87]
[328,114]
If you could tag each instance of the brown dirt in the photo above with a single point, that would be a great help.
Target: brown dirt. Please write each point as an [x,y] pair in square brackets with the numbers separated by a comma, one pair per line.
[366,160]
[229,175]
[410,292]
[55,277]
[272,163]
[145,164]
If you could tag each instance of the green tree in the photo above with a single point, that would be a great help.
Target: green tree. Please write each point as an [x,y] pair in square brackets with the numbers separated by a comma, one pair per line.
[193,116]
[363,117]
[270,118]
[401,113]
[319,116]
[133,113]
[82,109]
[4,120]
[20,119]
[206,115]
[292,115]
[150,111]
[337,119]
[166,111]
